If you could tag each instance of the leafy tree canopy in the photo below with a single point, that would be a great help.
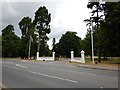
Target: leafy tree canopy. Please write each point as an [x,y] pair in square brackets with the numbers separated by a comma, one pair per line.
[68,42]
[10,42]
[42,27]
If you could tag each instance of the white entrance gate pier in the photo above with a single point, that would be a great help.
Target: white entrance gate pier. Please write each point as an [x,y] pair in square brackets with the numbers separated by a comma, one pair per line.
[80,60]
[46,58]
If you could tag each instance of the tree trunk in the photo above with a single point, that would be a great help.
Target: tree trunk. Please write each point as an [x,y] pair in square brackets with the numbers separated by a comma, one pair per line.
[99,54]
[38,48]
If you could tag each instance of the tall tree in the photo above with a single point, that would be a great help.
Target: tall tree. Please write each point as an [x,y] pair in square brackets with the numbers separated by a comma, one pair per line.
[108,30]
[53,44]
[27,31]
[68,42]
[87,44]
[24,25]
[96,18]
[111,29]
[0,45]
[10,42]
[41,21]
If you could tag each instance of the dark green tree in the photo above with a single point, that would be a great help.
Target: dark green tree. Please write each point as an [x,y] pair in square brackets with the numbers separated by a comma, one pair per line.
[110,29]
[68,42]
[27,29]
[25,25]
[53,44]
[87,44]
[0,45]
[42,27]
[10,42]
[96,18]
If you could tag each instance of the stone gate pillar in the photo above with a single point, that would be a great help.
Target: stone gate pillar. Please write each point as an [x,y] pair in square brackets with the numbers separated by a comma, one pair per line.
[82,56]
[37,56]
[72,56]
[53,56]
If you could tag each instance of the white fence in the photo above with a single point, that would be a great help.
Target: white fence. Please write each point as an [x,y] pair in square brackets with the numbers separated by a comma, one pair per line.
[46,58]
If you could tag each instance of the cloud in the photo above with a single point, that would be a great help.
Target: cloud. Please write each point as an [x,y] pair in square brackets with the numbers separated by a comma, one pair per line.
[13,12]
[70,15]
[66,15]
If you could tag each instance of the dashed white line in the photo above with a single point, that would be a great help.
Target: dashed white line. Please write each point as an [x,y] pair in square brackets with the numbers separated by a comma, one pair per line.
[11,67]
[73,71]
[7,62]
[19,65]
[53,77]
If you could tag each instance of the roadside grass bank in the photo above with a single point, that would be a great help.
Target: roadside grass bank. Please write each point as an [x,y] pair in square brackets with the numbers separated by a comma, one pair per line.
[19,59]
[110,60]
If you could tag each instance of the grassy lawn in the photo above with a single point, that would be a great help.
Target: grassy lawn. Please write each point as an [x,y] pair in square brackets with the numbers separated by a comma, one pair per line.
[110,60]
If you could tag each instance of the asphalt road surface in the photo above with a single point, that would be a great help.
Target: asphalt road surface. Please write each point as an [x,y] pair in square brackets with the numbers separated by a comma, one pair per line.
[26,74]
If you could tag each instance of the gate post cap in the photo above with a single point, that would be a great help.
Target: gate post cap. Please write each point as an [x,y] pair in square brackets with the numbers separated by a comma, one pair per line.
[72,51]
[82,51]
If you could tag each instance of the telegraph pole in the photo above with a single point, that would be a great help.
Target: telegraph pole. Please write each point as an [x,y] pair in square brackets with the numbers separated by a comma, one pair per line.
[92,44]
[29,48]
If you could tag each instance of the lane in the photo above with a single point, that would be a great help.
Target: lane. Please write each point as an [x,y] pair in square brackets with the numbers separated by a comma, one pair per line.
[59,75]
[22,78]
[60,65]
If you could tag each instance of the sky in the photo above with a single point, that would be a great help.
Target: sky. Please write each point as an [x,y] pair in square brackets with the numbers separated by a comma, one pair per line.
[66,15]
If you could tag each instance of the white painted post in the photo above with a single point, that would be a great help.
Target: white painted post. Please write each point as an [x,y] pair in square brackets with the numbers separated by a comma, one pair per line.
[82,56]
[37,55]
[72,56]
[53,56]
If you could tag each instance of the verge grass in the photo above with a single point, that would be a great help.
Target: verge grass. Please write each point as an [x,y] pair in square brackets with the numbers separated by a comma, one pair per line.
[110,60]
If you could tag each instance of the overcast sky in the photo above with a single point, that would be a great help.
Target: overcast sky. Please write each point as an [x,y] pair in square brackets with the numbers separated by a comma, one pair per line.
[66,15]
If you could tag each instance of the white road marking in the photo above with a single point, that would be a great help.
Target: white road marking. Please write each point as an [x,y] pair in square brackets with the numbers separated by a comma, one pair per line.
[11,67]
[83,65]
[7,62]
[55,64]
[53,77]
[33,72]
[19,65]
[74,71]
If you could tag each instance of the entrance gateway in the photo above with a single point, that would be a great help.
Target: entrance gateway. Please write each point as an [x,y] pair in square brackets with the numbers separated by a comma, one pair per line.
[77,59]
[46,58]
[73,59]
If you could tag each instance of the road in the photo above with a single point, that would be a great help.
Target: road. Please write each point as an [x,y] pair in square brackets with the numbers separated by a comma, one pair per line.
[26,74]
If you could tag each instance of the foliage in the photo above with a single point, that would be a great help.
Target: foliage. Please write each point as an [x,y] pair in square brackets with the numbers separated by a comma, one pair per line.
[87,44]
[68,42]
[0,45]
[10,42]
[53,44]
[41,22]
[110,29]
[106,36]
[96,18]
[13,46]
[25,24]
